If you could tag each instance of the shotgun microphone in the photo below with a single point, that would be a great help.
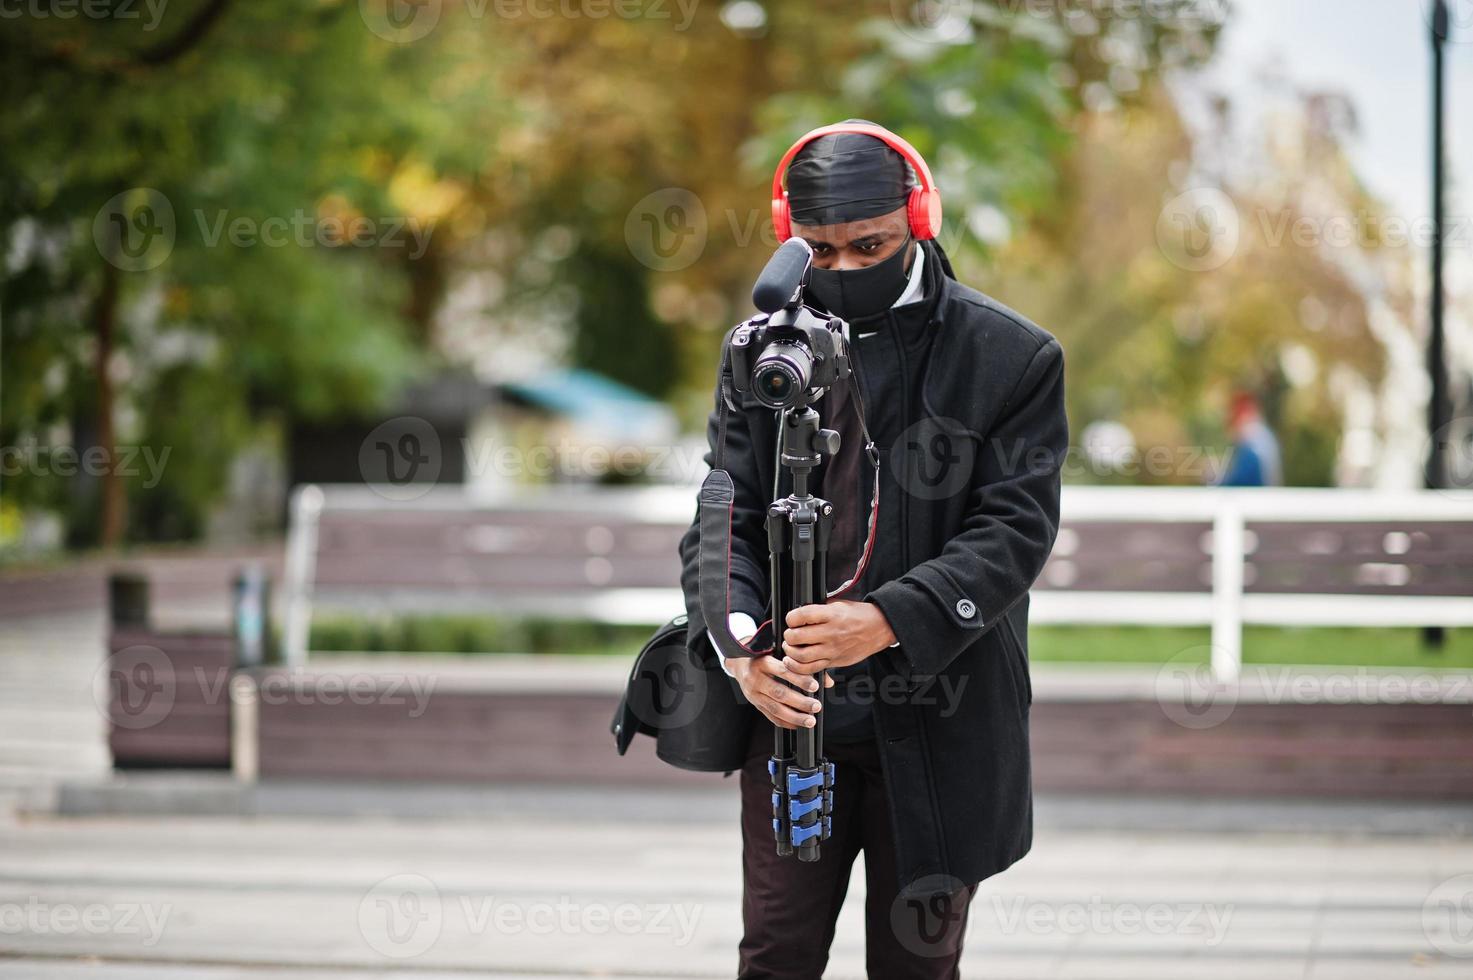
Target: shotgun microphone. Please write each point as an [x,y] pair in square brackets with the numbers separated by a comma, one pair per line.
[784,276]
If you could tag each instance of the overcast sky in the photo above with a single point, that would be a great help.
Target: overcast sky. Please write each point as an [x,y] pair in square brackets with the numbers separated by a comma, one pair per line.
[1377,52]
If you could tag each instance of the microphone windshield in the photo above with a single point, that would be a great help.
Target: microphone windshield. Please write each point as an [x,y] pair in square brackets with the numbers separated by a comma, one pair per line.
[784,273]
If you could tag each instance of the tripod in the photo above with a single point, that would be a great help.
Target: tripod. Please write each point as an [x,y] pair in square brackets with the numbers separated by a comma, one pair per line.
[798,530]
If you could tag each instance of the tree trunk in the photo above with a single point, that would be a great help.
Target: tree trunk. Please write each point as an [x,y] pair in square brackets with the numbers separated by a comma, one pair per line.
[104,323]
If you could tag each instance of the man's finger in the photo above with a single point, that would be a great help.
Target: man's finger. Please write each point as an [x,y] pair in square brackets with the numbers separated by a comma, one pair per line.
[773,666]
[800,636]
[800,667]
[805,654]
[781,715]
[803,615]
[776,690]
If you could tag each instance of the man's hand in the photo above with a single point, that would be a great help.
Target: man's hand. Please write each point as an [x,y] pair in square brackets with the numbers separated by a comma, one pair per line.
[773,690]
[835,634]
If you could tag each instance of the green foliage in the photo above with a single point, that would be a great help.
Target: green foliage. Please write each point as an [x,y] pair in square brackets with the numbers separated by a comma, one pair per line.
[473,634]
[237,115]
[1385,647]
[516,148]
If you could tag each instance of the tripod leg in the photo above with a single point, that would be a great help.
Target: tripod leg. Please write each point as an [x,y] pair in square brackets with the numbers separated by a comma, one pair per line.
[782,738]
[806,792]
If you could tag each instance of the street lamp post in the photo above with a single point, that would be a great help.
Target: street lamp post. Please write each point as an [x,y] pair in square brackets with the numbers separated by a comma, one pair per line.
[1438,408]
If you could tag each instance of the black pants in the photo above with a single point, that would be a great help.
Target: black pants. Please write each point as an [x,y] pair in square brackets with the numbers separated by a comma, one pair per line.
[789,908]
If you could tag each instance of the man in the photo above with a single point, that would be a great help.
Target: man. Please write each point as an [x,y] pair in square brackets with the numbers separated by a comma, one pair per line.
[1255,460]
[927,718]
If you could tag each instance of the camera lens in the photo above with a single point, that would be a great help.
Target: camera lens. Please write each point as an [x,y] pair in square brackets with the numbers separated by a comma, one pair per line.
[775,384]
[782,374]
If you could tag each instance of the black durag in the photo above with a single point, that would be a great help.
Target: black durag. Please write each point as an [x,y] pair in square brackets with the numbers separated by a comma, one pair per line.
[847,177]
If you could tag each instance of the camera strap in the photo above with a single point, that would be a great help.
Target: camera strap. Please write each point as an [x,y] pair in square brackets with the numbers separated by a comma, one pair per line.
[714,510]
[872,453]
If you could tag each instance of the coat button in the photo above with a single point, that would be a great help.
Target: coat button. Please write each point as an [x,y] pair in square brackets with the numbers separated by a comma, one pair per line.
[966,608]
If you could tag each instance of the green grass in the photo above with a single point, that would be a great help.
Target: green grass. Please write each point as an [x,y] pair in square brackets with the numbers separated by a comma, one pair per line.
[1052,644]
[1341,647]
[474,635]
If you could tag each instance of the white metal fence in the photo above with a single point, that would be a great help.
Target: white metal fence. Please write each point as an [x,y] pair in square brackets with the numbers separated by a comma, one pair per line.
[1223,606]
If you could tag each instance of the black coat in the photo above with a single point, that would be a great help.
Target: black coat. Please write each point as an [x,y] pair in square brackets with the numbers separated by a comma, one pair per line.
[969,510]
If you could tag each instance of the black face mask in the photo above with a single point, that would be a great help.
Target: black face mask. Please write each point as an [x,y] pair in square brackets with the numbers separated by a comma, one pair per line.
[857,293]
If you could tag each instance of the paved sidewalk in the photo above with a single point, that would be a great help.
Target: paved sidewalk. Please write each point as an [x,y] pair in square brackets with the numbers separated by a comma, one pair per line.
[569,888]
[52,723]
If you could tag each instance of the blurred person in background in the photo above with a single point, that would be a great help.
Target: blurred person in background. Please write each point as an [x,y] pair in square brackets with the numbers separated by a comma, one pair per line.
[1255,460]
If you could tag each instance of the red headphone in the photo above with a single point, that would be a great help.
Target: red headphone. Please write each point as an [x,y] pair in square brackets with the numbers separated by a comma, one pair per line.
[922,208]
